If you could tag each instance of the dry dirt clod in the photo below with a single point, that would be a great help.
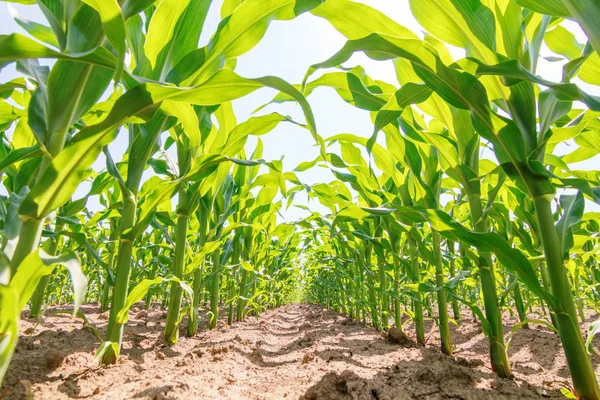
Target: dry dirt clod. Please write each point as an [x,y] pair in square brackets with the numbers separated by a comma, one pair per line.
[474,363]
[198,352]
[331,387]
[256,356]
[141,314]
[308,357]
[54,360]
[218,350]
[396,336]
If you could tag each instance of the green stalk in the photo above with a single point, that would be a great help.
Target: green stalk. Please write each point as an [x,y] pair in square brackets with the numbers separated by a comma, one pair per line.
[197,287]
[37,300]
[371,285]
[383,296]
[397,304]
[362,312]
[114,234]
[441,296]
[348,284]
[214,290]
[577,284]
[137,163]
[203,217]
[452,267]
[231,293]
[171,334]
[357,290]
[360,295]
[148,300]
[493,312]
[235,259]
[251,293]
[38,297]
[519,303]
[114,332]
[418,307]
[548,287]
[344,296]
[242,302]
[582,372]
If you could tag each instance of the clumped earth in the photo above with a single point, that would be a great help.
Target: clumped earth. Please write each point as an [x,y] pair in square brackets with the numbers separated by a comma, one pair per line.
[298,351]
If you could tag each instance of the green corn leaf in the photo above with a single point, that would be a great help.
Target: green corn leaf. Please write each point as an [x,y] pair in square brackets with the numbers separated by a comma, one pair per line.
[253,126]
[243,29]
[188,119]
[573,208]
[469,25]
[139,291]
[19,155]
[410,93]
[593,330]
[515,71]
[84,29]
[38,31]
[133,7]
[351,89]
[73,89]
[39,264]
[61,179]
[548,7]
[16,47]
[136,294]
[156,194]
[561,41]
[9,325]
[355,20]
[587,13]
[174,31]
[54,12]
[114,28]
[12,224]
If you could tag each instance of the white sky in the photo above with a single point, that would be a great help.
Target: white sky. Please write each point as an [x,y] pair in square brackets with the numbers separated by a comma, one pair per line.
[287,50]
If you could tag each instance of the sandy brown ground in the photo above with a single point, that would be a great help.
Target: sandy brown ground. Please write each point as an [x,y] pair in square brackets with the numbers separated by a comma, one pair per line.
[296,351]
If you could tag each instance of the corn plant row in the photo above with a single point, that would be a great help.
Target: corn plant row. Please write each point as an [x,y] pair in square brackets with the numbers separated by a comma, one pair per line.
[134,68]
[457,196]
[397,226]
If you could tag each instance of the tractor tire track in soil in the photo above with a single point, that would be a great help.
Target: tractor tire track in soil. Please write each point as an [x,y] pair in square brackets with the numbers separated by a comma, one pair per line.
[299,351]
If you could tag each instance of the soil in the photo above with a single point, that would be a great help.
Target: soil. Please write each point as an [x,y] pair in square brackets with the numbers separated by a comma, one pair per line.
[298,351]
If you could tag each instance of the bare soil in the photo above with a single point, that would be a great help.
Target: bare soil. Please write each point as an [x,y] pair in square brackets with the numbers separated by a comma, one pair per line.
[297,351]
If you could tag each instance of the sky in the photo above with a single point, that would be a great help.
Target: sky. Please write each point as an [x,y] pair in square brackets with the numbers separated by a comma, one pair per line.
[286,51]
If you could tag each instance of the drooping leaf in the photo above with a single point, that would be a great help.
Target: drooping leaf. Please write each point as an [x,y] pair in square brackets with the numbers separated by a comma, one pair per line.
[573,207]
